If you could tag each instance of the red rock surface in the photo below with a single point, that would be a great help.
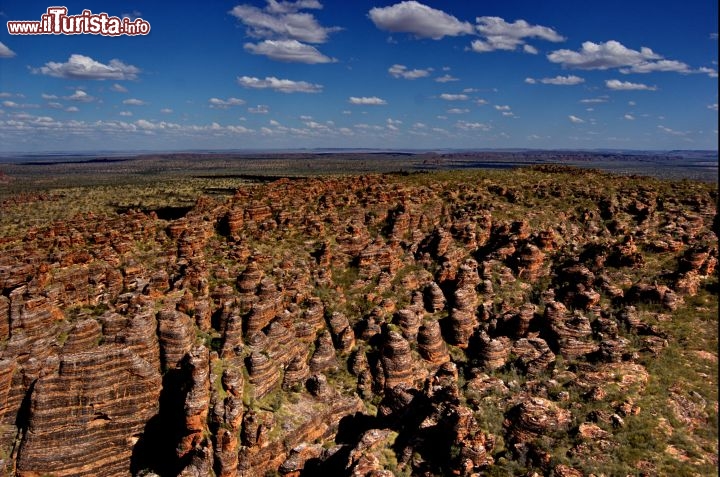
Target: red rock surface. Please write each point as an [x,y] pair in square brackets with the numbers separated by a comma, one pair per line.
[345,326]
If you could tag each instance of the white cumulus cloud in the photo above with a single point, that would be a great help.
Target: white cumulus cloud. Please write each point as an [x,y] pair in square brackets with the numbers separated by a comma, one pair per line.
[218,103]
[277,84]
[291,51]
[80,96]
[369,101]
[613,54]
[454,97]
[628,86]
[134,102]
[418,19]
[575,119]
[402,71]
[501,35]
[289,7]
[446,78]
[84,67]
[5,52]
[570,80]
[472,126]
[276,22]
[670,131]
[594,100]
[285,30]
[259,109]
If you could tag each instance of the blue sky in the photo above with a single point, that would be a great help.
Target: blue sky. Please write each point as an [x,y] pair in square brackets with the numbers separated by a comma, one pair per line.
[319,74]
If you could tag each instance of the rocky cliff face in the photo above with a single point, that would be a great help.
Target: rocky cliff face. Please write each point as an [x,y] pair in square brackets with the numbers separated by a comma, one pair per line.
[362,325]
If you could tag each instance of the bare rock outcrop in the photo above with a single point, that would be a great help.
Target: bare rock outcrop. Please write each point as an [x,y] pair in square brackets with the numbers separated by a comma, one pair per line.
[573,333]
[535,417]
[176,334]
[431,345]
[462,315]
[264,373]
[67,405]
[196,365]
[324,356]
[434,298]
[534,356]
[397,361]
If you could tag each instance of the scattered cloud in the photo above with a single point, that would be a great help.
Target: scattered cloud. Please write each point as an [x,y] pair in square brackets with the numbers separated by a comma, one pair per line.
[80,96]
[575,119]
[392,124]
[711,72]
[628,86]
[282,85]
[14,105]
[401,71]
[602,99]
[285,31]
[558,80]
[283,20]
[629,117]
[418,19]
[613,54]
[259,109]
[446,78]
[134,102]
[290,51]
[671,131]
[166,111]
[454,97]
[218,103]
[468,126]
[118,88]
[84,67]
[290,7]
[458,111]
[126,113]
[661,65]
[72,109]
[5,52]
[713,106]
[48,97]
[713,36]
[501,35]
[369,101]
[502,108]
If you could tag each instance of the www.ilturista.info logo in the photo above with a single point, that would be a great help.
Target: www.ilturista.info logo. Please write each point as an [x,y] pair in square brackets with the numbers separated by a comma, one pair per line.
[57,22]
